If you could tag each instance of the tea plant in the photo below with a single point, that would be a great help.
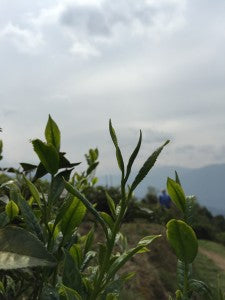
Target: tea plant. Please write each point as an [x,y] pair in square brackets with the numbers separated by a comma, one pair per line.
[104,279]
[183,240]
[42,254]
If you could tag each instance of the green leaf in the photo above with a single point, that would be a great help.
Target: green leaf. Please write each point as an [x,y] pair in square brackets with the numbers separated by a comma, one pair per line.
[133,156]
[76,253]
[88,205]
[21,249]
[48,155]
[180,273]
[92,168]
[12,210]
[71,274]
[88,241]
[199,287]
[63,210]
[2,289]
[149,163]
[89,255]
[30,218]
[28,167]
[176,194]
[112,296]
[34,191]
[52,133]
[118,152]
[4,220]
[94,180]
[68,293]
[190,209]
[101,253]
[122,259]
[108,220]
[183,240]
[49,293]
[111,204]
[57,185]
[177,179]
[179,295]
[116,286]
[72,217]
[40,172]
[65,163]
[1,146]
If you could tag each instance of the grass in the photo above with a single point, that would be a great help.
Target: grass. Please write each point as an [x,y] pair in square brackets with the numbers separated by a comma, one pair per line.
[206,270]
[212,246]
[156,270]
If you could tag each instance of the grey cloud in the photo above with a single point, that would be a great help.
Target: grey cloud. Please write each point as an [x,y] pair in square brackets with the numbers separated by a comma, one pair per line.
[176,82]
[102,20]
[214,153]
[90,19]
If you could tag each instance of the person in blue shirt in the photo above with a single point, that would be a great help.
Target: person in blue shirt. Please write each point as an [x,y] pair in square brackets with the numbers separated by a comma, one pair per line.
[164,199]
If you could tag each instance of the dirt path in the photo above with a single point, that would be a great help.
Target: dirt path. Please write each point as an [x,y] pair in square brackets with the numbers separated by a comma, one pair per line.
[218,259]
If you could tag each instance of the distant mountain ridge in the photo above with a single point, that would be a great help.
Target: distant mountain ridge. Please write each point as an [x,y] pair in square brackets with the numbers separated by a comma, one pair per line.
[206,183]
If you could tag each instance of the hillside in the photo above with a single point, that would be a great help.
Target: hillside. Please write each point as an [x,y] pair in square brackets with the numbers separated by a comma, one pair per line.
[156,270]
[206,183]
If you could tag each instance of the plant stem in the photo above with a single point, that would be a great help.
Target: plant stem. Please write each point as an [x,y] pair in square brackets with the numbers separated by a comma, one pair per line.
[111,242]
[185,288]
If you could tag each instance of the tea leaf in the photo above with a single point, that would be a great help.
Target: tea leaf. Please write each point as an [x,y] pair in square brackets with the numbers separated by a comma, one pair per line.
[72,217]
[199,287]
[71,274]
[88,241]
[21,249]
[34,191]
[64,162]
[49,293]
[4,220]
[112,296]
[176,194]
[115,287]
[63,210]
[111,204]
[40,172]
[30,218]
[118,152]
[76,253]
[48,155]
[52,133]
[183,240]
[88,205]
[107,219]
[57,185]
[122,259]
[101,253]
[89,255]
[28,167]
[92,168]
[177,179]
[69,293]
[11,209]
[147,166]
[179,295]
[133,156]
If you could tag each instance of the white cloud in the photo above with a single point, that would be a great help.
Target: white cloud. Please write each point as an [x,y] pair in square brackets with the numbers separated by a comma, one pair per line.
[90,24]
[84,49]
[156,65]
[25,40]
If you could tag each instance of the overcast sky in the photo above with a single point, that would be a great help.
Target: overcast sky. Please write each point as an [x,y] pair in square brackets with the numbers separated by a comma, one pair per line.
[155,65]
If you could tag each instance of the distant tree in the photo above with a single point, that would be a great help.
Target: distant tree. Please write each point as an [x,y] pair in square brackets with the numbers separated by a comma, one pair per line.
[151,196]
